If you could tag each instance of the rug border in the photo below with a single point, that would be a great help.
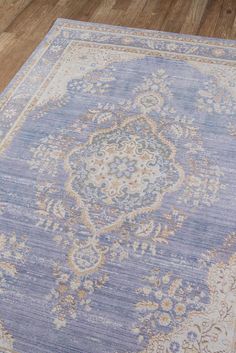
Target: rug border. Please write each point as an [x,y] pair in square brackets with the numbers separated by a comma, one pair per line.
[62,24]
[144,32]
[73,24]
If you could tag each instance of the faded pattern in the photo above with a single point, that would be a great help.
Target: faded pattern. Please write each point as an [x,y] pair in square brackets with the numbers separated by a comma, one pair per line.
[117,198]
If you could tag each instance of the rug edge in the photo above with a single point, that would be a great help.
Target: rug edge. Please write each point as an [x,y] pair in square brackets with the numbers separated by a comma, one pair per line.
[196,38]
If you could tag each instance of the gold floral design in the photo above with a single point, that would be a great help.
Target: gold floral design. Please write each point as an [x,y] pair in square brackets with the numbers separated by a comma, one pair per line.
[123,170]
[6,340]
[72,291]
[153,92]
[106,114]
[12,251]
[166,301]
[209,256]
[215,99]
[96,82]
[120,173]
[69,61]
[141,237]
[232,129]
[218,95]
[211,330]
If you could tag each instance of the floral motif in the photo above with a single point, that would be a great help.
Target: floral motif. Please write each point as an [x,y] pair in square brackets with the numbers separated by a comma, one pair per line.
[72,291]
[232,129]
[12,251]
[6,340]
[215,99]
[218,95]
[209,256]
[150,101]
[105,113]
[152,94]
[122,167]
[93,93]
[10,248]
[125,169]
[210,330]
[129,169]
[218,52]
[167,300]
[95,83]
[85,258]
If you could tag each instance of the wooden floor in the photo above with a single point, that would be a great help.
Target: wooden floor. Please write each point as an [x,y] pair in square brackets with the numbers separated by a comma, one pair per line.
[23,23]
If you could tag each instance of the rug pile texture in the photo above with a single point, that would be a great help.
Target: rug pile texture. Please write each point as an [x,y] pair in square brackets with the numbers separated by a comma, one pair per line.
[118,194]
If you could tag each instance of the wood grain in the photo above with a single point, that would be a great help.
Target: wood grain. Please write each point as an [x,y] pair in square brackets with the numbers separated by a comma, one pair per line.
[176,15]
[210,18]
[193,17]
[24,23]
[9,10]
[226,19]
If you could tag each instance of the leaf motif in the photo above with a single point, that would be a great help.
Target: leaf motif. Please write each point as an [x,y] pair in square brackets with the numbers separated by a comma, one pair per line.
[144,230]
[146,305]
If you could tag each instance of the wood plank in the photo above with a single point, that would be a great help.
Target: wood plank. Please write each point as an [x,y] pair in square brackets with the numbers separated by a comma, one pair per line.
[160,13]
[233,32]
[176,16]
[9,10]
[122,5]
[5,39]
[210,18]
[226,18]
[88,9]
[103,11]
[74,9]
[23,23]
[135,12]
[146,15]
[15,54]
[62,8]
[193,19]
[26,22]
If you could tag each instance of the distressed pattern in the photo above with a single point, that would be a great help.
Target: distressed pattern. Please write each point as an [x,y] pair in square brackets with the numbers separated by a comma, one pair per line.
[117,197]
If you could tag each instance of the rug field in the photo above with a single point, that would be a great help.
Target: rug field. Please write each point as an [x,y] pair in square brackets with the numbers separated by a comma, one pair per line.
[118,194]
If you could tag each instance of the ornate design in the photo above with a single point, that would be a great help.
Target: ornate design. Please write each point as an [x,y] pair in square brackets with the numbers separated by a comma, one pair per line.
[151,95]
[6,340]
[127,170]
[232,129]
[166,302]
[211,330]
[189,49]
[85,258]
[218,96]
[73,290]
[215,99]
[12,251]
[118,174]
[126,186]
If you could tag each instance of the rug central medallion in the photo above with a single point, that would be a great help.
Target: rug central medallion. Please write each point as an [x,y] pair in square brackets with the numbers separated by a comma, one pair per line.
[128,169]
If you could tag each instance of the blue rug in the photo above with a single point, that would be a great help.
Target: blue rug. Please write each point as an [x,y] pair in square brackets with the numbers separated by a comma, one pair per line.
[118,194]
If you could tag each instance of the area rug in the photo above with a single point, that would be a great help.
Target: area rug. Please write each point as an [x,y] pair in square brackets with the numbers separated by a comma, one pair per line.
[118,194]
